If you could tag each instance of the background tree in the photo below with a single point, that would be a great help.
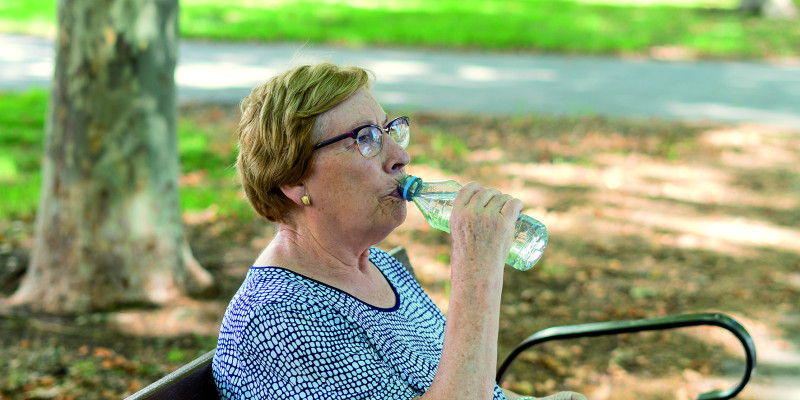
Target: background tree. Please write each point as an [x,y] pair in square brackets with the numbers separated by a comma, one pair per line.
[108,228]
[770,8]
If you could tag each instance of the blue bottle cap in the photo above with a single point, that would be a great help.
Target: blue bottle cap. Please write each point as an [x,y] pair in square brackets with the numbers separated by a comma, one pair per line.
[408,180]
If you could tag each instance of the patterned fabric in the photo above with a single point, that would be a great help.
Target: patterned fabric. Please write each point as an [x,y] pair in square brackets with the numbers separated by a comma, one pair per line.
[287,336]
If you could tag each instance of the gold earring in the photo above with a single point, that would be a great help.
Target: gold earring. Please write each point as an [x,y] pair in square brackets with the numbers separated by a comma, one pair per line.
[306,200]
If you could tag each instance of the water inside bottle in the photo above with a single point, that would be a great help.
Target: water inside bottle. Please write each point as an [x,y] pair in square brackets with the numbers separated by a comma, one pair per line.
[438,207]
[530,239]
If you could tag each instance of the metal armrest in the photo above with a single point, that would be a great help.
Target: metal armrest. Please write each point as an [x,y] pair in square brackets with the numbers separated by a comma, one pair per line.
[641,325]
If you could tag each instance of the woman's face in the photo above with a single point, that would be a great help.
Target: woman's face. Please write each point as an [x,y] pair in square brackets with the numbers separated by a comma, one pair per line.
[352,194]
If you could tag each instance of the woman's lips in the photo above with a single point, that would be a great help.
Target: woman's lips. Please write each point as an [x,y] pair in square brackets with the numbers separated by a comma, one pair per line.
[396,193]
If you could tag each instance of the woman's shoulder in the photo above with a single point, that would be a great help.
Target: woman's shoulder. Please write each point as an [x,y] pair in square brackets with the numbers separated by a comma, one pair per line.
[273,287]
[392,268]
[383,260]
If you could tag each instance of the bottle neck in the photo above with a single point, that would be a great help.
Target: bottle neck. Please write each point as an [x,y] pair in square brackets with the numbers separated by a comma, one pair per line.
[409,187]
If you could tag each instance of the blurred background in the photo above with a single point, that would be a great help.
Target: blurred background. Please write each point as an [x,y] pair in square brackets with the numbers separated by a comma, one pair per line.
[657,139]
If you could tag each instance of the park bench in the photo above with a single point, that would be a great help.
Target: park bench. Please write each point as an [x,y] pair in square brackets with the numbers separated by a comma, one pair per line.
[194,381]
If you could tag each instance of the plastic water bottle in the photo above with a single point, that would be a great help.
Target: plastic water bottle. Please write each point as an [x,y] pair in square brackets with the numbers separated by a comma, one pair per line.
[435,200]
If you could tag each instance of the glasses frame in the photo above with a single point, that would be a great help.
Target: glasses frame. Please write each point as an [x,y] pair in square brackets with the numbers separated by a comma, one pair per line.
[353,134]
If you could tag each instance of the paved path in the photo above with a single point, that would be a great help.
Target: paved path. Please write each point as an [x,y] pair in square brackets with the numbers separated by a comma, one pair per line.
[476,82]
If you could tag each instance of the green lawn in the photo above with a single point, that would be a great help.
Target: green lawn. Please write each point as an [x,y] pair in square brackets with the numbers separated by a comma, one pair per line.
[602,27]
[21,136]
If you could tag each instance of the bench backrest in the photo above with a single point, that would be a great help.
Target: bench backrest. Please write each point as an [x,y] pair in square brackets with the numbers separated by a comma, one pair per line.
[192,381]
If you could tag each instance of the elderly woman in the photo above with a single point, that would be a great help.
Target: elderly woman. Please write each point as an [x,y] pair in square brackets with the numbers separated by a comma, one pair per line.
[324,315]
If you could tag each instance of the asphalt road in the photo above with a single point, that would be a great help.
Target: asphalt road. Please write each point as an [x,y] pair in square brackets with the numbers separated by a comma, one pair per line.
[426,80]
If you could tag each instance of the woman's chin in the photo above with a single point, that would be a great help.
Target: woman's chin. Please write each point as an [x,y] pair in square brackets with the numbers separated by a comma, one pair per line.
[402,214]
[396,213]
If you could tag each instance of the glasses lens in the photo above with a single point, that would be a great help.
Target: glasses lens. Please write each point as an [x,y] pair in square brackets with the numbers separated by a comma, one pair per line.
[369,141]
[400,131]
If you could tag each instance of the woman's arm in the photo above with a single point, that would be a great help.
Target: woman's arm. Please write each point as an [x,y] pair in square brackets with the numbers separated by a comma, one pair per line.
[481,226]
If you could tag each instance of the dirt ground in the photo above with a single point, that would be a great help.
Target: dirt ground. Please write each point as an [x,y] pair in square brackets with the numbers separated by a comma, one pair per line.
[646,219]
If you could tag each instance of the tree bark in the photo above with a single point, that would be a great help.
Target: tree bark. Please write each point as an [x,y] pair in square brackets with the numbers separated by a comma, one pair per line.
[770,8]
[108,230]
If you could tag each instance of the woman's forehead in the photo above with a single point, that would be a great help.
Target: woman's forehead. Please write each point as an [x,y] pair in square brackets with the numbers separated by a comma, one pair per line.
[358,109]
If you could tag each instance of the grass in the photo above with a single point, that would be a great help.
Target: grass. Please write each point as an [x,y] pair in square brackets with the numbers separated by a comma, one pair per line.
[22,118]
[505,25]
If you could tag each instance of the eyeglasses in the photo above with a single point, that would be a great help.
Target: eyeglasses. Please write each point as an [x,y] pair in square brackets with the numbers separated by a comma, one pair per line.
[369,138]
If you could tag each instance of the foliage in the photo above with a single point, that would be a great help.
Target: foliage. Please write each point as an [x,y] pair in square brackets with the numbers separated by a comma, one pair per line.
[511,25]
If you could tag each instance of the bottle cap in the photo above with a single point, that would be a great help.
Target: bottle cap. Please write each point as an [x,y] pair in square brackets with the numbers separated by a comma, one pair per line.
[406,183]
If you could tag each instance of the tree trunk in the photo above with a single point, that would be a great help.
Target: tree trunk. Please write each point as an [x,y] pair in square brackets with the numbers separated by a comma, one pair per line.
[108,228]
[770,8]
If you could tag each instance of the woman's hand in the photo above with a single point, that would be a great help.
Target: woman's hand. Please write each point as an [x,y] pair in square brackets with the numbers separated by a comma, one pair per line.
[558,396]
[562,396]
[481,227]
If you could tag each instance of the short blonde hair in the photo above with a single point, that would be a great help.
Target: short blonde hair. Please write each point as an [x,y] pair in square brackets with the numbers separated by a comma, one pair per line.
[276,131]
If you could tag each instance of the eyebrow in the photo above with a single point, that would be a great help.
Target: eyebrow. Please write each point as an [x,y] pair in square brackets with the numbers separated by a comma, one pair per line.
[369,122]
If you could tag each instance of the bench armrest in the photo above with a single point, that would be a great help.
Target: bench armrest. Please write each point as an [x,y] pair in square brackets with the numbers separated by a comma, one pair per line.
[641,325]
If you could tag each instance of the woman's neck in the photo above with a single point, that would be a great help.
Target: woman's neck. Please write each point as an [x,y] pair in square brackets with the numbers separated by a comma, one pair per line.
[315,255]
[334,264]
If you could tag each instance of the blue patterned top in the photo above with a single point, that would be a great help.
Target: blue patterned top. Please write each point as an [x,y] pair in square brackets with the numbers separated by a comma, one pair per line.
[287,336]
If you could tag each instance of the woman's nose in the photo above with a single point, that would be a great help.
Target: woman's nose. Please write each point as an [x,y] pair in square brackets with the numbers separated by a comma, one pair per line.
[396,157]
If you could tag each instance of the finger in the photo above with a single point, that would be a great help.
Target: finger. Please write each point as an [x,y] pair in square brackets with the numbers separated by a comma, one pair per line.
[482,198]
[512,208]
[497,202]
[466,193]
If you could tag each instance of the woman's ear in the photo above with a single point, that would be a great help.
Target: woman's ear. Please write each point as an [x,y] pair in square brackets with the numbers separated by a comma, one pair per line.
[294,193]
